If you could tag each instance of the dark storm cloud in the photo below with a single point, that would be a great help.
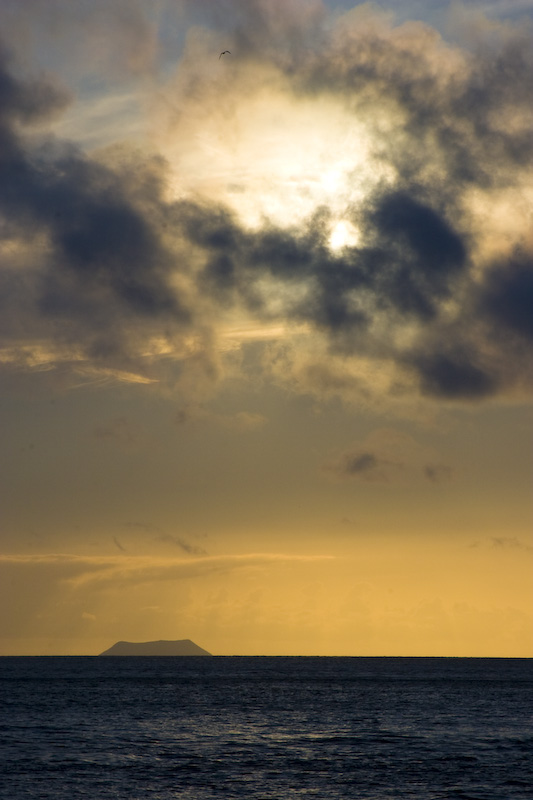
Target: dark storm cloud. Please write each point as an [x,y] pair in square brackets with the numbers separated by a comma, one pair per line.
[100,239]
[443,123]
[408,264]
[456,122]
[435,249]
[27,101]
[453,376]
[412,254]
[410,261]
[103,269]
[415,253]
[507,295]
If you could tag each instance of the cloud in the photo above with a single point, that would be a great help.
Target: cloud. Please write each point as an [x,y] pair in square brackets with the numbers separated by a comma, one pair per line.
[361,462]
[437,473]
[452,376]
[119,545]
[135,263]
[364,466]
[386,456]
[507,295]
[417,292]
[509,542]
[113,571]
[94,285]
[182,544]
[47,595]
[155,533]
[503,543]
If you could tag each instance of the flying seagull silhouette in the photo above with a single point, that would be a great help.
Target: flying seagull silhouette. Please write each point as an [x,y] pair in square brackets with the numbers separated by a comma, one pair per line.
[223,53]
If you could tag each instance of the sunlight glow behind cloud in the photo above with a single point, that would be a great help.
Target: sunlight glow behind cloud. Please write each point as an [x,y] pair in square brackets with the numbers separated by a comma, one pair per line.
[278,302]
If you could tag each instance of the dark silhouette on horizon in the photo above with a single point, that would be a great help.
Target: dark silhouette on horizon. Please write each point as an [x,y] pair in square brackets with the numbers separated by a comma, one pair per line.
[162,647]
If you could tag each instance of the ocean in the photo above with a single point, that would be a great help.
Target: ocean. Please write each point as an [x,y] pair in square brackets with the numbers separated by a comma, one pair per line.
[203,728]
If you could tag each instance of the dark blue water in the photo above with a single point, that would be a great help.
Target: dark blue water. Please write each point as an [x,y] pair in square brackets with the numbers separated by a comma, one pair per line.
[244,728]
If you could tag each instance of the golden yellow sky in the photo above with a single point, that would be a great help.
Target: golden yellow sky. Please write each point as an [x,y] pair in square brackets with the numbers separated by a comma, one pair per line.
[265,334]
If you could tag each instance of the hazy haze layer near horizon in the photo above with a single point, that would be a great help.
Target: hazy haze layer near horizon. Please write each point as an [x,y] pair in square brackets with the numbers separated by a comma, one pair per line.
[266,326]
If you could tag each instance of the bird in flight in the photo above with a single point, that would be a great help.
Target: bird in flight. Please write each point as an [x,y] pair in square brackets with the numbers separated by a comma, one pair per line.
[223,53]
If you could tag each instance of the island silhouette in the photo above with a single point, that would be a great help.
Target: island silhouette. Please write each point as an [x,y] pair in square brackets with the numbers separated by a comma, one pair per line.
[163,647]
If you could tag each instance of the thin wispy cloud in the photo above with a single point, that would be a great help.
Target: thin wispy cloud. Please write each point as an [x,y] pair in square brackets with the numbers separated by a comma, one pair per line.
[119,545]
[182,544]
[81,571]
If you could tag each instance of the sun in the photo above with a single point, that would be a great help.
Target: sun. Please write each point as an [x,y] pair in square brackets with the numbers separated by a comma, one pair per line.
[343,234]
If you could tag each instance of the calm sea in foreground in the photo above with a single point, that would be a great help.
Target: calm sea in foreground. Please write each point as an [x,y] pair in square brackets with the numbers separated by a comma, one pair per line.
[225,727]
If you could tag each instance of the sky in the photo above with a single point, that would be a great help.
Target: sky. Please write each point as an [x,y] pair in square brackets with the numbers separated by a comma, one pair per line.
[266,326]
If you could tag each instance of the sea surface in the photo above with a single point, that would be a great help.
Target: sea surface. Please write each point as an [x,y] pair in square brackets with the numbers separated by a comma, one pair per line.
[200,728]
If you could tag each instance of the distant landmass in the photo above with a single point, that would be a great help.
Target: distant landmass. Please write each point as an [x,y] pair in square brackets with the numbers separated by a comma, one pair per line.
[179,647]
